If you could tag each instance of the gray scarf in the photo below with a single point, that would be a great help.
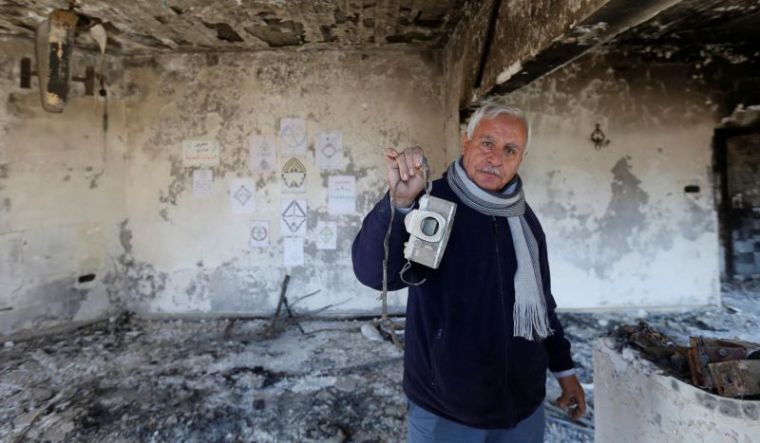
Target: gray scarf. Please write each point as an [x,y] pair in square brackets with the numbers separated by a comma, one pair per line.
[529,313]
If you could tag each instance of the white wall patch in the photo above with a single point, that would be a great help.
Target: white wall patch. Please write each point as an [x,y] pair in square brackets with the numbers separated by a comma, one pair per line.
[242,193]
[293,217]
[341,194]
[329,150]
[259,236]
[293,136]
[203,153]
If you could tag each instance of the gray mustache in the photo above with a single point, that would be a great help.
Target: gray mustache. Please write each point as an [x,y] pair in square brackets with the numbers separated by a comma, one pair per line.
[491,170]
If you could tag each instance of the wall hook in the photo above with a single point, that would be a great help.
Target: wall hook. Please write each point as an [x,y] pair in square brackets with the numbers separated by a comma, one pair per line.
[600,140]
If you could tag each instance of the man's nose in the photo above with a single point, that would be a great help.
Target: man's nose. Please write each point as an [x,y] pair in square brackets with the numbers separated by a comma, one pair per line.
[494,157]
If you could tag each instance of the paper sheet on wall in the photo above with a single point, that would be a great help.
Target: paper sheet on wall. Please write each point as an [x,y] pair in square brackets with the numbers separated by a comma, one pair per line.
[203,153]
[259,236]
[293,175]
[293,216]
[293,136]
[328,150]
[261,153]
[326,235]
[242,193]
[292,251]
[341,194]
[203,183]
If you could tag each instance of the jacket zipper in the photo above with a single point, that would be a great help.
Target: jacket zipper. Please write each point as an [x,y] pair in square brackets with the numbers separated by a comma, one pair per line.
[504,307]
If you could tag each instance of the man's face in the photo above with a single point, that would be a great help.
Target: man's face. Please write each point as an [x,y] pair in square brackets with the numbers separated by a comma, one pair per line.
[493,154]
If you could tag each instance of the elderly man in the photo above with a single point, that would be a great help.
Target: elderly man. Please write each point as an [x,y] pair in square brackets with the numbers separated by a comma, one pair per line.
[482,328]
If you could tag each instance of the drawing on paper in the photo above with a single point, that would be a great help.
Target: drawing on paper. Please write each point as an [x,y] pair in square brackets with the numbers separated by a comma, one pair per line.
[203,181]
[294,217]
[242,196]
[204,153]
[259,235]
[326,235]
[341,194]
[294,174]
[292,251]
[329,150]
[293,136]
[262,154]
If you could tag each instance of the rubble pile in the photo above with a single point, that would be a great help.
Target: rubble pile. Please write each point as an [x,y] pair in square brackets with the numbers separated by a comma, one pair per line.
[223,380]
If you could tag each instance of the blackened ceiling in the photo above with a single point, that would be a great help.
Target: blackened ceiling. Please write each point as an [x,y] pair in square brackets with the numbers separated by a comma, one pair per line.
[148,26]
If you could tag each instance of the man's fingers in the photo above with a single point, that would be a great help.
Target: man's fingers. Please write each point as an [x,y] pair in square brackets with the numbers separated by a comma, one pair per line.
[419,156]
[409,160]
[390,157]
[581,407]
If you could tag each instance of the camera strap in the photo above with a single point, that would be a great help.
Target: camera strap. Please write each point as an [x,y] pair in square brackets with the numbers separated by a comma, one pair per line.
[385,320]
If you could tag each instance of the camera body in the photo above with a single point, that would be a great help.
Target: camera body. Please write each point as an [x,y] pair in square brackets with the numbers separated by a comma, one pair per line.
[429,229]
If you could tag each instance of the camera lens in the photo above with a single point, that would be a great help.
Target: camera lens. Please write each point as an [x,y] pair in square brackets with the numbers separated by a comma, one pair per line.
[429,226]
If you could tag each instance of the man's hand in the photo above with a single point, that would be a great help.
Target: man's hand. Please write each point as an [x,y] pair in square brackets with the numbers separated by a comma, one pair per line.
[405,175]
[573,400]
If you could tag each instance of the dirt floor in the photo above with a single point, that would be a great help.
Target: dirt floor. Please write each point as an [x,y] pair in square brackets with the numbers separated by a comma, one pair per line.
[130,379]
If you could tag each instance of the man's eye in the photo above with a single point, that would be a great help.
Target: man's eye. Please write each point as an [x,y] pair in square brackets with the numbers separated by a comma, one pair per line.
[487,144]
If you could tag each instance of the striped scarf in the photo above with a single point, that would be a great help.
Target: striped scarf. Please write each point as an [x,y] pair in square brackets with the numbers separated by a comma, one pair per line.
[529,313]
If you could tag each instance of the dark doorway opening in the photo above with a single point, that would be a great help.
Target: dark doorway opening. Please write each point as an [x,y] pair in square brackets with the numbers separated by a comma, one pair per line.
[737,168]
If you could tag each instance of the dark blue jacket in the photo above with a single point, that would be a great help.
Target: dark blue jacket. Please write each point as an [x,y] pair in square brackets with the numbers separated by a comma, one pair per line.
[461,361]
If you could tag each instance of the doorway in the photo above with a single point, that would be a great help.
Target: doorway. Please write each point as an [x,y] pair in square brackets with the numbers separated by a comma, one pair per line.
[738,167]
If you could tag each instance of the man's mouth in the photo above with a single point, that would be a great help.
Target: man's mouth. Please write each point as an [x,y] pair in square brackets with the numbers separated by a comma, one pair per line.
[491,170]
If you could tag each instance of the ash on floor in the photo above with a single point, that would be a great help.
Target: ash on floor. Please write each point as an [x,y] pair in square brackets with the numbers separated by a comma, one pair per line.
[139,380]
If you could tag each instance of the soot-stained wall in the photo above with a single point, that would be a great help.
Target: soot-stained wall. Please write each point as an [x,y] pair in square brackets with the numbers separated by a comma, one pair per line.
[183,251]
[622,230]
[61,198]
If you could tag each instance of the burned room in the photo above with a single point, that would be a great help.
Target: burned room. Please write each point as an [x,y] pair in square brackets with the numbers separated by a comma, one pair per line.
[380,221]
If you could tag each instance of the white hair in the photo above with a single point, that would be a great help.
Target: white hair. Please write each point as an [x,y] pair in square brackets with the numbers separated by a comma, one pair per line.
[491,110]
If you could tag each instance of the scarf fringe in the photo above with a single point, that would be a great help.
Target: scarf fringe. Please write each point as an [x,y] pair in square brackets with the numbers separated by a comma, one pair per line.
[530,320]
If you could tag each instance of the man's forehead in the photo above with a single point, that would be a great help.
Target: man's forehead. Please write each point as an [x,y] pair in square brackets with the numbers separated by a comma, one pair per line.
[503,120]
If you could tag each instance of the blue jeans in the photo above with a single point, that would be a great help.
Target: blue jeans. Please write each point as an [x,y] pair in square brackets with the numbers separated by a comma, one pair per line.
[426,427]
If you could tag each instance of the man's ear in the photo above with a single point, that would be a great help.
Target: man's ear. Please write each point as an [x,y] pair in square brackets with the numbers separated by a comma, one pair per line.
[464,143]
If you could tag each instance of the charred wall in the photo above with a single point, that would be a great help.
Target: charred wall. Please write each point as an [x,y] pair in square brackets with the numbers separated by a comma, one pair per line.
[186,254]
[61,197]
[633,221]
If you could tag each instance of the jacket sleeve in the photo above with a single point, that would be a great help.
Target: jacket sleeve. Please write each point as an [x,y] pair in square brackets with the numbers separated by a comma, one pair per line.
[367,252]
[557,346]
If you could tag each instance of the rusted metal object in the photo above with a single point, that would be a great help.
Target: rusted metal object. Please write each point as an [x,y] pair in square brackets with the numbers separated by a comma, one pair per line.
[703,352]
[736,378]
[729,367]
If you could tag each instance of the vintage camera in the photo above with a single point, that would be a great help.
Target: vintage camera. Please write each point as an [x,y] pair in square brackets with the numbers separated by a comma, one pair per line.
[429,228]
